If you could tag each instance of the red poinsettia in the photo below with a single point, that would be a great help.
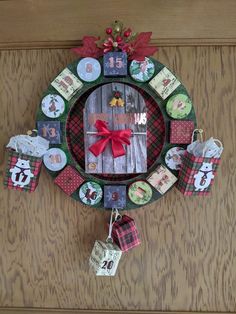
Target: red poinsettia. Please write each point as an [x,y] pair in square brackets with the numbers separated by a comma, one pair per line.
[139,48]
[89,48]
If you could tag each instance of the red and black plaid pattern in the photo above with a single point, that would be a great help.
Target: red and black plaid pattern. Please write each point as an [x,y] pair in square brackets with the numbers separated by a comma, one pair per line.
[155,133]
[125,234]
[35,167]
[190,166]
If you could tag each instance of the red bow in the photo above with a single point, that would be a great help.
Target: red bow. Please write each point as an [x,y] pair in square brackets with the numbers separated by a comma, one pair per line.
[118,138]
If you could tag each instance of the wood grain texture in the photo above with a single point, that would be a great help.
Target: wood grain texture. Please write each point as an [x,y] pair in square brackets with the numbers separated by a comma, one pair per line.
[63,23]
[187,259]
[62,311]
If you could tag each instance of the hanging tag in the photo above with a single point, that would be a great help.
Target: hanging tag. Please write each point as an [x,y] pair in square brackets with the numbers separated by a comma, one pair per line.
[105,257]
[124,232]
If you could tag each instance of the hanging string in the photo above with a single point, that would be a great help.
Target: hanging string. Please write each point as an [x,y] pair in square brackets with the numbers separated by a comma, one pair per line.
[117,217]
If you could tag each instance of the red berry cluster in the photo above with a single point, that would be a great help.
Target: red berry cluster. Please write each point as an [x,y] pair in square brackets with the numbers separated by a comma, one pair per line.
[126,33]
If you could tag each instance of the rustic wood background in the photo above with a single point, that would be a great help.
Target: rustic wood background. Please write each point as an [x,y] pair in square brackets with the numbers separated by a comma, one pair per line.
[187,260]
[135,159]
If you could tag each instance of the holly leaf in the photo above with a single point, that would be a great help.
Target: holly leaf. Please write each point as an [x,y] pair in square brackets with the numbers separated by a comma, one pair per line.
[89,48]
[140,47]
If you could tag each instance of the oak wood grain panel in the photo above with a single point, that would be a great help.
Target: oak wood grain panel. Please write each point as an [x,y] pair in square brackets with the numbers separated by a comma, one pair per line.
[187,259]
[63,23]
[63,311]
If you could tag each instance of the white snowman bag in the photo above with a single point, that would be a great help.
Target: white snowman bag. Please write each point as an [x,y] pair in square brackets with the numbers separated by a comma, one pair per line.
[199,166]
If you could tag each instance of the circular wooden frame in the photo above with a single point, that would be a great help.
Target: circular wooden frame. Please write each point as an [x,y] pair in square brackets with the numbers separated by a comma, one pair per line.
[90,86]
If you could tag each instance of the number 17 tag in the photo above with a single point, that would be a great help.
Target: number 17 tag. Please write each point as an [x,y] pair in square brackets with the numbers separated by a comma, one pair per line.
[105,258]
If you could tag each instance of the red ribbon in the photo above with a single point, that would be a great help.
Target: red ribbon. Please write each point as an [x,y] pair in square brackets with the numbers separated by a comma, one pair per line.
[118,139]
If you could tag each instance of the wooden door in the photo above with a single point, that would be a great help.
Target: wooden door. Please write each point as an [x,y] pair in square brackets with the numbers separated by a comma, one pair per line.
[187,259]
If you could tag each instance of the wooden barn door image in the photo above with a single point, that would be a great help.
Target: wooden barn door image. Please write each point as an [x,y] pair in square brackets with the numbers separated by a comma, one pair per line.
[121,107]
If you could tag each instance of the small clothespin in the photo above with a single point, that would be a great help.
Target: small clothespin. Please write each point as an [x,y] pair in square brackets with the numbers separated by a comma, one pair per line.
[32,133]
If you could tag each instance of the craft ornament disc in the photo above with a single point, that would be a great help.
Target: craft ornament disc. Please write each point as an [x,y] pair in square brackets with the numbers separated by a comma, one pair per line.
[90,193]
[174,157]
[53,106]
[142,71]
[179,106]
[55,159]
[140,192]
[89,69]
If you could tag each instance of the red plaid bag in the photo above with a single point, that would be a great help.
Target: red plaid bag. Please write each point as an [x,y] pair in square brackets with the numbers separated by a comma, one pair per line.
[22,171]
[125,234]
[197,174]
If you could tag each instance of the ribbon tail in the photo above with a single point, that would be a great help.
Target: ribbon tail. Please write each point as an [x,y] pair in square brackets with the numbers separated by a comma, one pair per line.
[99,147]
[117,149]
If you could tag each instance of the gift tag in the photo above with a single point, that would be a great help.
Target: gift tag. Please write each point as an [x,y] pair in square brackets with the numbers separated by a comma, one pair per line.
[53,106]
[174,157]
[88,69]
[105,258]
[69,180]
[164,83]
[90,193]
[181,132]
[115,63]
[125,234]
[142,71]
[67,84]
[55,159]
[140,192]
[162,179]
[50,130]
[179,106]
[115,196]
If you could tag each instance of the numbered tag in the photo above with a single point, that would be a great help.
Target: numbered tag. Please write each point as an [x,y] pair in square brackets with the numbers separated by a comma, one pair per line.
[164,83]
[115,64]
[67,84]
[105,258]
[50,130]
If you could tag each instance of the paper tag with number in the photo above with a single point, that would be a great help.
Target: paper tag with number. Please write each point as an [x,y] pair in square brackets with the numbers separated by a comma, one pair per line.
[105,258]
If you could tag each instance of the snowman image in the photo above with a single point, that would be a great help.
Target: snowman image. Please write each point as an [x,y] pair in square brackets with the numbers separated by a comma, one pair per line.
[203,177]
[21,173]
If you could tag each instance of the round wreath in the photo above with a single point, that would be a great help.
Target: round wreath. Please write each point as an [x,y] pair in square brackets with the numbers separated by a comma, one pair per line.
[71,121]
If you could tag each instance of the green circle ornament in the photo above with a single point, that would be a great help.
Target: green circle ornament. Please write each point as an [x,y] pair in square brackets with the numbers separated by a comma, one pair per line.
[179,106]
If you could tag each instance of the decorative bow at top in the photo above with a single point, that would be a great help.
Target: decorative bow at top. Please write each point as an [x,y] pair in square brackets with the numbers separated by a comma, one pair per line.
[118,138]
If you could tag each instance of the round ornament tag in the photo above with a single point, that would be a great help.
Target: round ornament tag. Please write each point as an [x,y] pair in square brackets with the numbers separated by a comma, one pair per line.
[89,69]
[55,159]
[174,157]
[142,71]
[90,193]
[53,106]
[179,106]
[140,192]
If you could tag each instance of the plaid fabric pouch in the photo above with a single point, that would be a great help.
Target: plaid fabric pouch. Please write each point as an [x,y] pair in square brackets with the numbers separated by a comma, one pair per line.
[22,171]
[125,233]
[197,174]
